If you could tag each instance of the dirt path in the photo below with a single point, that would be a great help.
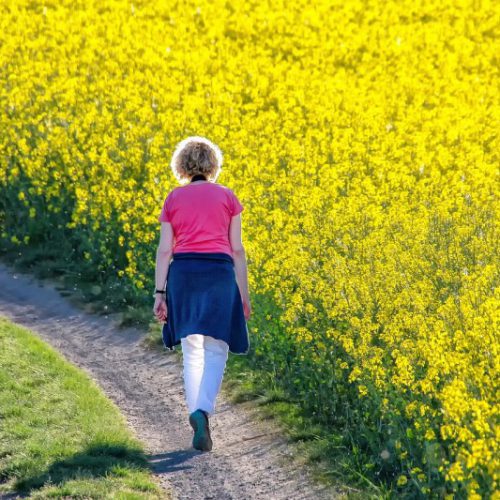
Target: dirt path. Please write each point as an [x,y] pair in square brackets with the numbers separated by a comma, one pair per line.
[249,459]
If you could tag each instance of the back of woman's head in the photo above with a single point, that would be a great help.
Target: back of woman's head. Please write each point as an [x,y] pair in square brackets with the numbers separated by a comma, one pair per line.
[196,155]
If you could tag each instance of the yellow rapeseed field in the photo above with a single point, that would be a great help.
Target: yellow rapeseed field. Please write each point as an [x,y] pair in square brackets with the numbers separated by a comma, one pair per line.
[362,139]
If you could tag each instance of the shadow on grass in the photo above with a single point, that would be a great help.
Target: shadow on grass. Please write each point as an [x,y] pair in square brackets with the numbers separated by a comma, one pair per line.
[172,461]
[95,461]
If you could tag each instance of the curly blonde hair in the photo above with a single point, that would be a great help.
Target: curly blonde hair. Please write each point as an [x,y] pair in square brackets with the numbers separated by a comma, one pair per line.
[196,155]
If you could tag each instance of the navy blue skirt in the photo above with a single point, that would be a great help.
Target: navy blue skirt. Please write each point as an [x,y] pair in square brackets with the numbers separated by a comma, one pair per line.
[203,297]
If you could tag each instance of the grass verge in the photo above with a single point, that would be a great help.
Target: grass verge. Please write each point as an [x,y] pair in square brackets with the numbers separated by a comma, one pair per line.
[59,435]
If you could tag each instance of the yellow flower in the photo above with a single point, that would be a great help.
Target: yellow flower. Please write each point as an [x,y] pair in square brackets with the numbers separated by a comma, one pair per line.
[430,435]
[363,391]
[402,480]
[455,472]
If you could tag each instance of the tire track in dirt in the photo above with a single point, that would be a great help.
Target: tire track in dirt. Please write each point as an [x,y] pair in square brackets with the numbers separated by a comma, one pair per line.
[249,460]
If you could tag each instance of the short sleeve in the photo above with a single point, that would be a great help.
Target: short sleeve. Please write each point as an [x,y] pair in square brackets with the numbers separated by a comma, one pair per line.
[165,211]
[237,207]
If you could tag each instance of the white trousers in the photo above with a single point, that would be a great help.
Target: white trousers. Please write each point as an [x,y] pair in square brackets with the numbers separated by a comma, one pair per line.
[204,361]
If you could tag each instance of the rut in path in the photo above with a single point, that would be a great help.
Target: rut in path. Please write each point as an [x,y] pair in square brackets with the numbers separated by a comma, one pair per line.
[249,459]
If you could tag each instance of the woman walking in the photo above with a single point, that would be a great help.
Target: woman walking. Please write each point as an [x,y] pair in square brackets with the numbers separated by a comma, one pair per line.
[202,263]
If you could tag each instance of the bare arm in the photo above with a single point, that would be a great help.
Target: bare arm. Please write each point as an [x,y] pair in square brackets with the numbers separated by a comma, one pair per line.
[239,257]
[164,254]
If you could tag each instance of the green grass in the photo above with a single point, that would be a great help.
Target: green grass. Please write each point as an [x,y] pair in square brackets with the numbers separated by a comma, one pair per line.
[329,457]
[59,435]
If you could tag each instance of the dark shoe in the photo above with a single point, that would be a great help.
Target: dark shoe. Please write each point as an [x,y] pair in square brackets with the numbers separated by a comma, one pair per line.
[199,422]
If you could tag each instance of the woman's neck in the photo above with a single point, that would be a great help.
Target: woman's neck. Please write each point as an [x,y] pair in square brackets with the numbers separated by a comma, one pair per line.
[198,177]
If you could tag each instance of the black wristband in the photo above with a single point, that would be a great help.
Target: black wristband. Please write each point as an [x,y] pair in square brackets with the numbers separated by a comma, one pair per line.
[159,291]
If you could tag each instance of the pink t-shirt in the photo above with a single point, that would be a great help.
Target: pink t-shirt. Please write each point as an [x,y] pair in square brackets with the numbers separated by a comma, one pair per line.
[200,215]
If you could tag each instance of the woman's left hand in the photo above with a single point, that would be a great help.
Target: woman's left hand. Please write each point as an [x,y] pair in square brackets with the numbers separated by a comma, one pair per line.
[160,308]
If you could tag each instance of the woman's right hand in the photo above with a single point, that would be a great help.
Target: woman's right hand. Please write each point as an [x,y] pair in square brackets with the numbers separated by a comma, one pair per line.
[160,308]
